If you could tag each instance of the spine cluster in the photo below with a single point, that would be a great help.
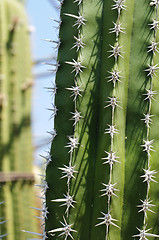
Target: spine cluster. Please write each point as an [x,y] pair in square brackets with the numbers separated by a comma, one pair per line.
[43,210]
[68,170]
[114,77]
[149,174]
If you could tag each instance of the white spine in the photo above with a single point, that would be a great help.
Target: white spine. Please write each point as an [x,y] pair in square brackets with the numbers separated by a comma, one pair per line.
[111,159]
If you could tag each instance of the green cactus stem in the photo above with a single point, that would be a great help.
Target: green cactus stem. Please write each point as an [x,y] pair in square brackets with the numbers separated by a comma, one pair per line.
[15,108]
[102,153]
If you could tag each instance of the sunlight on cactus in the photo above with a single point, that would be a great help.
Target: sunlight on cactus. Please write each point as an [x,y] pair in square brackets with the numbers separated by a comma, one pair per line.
[102,169]
[16,177]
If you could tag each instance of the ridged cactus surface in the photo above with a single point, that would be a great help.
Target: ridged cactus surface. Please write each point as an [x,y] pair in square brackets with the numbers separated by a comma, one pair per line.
[16,178]
[102,172]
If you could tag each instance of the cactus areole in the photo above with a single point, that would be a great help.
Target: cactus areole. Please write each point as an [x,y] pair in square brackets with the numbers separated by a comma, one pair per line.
[103,173]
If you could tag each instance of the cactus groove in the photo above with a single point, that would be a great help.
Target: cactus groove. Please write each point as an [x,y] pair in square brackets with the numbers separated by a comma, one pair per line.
[110,73]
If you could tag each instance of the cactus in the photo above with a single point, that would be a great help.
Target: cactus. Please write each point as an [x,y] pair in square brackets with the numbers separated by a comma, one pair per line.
[102,169]
[103,173]
[16,192]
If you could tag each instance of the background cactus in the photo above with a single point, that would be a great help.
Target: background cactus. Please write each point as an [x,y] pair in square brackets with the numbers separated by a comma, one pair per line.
[15,134]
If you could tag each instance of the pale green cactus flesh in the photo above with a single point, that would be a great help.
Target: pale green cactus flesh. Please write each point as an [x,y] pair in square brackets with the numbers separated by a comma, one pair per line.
[94,216]
[15,132]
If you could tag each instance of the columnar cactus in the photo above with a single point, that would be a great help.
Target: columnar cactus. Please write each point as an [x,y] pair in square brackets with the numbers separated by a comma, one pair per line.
[103,165]
[16,192]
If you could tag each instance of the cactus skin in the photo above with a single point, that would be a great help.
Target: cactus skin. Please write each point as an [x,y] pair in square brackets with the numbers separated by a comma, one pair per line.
[90,130]
[15,108]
